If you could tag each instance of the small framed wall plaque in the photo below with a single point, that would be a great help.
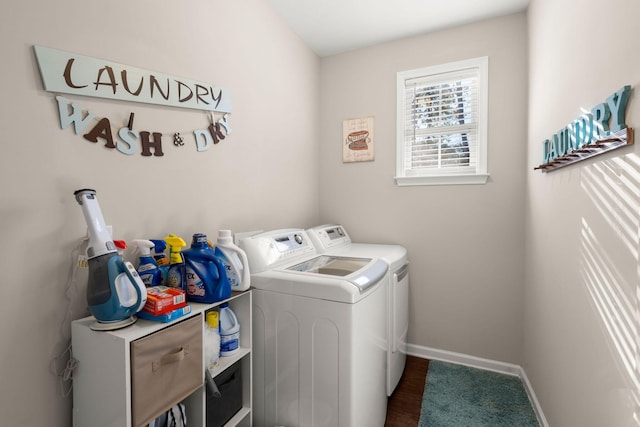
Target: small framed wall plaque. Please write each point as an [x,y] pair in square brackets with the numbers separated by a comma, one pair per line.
[357,140]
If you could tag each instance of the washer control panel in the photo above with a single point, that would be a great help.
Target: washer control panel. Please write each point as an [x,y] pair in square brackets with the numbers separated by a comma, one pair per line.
[290,243]
[272,249]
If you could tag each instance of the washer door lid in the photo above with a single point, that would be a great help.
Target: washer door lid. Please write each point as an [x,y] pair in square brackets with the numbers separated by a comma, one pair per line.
[361,272]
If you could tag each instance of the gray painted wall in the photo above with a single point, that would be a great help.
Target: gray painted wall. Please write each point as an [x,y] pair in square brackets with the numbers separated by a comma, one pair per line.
[264,175]
[516,270]
[581,300]
[465,242]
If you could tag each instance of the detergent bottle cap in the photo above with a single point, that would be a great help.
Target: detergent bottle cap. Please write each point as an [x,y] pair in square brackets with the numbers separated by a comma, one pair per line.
[224,237]
[212,319]
[199,241]
[144,246]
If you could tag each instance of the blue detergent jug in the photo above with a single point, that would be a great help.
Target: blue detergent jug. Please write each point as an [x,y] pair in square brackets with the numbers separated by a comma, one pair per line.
[206,278]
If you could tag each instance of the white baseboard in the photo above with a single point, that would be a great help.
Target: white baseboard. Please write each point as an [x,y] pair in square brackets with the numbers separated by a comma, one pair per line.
[480,363]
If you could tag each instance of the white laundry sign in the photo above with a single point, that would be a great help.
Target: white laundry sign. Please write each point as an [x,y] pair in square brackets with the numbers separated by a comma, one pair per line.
[69,73]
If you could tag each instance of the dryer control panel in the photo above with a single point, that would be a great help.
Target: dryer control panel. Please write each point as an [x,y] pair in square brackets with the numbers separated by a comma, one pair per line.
[272,249]
[328,236]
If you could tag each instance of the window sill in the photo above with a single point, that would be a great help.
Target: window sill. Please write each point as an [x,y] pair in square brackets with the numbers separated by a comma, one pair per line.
[403,181]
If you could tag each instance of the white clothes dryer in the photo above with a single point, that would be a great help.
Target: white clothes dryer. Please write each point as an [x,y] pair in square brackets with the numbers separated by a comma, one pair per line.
[333,239]
[319,331]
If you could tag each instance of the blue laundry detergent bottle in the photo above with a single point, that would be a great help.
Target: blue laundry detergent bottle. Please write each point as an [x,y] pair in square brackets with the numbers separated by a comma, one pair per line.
[206,279]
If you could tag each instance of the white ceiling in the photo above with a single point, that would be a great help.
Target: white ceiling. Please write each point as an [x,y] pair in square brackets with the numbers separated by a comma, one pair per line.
[335,26]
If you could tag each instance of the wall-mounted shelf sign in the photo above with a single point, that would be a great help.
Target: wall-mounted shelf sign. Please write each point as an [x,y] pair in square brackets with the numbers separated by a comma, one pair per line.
[614,141]
[596,132]
[69,73]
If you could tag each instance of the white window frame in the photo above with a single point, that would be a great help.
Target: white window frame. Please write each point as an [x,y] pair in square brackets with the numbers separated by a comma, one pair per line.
[433,176]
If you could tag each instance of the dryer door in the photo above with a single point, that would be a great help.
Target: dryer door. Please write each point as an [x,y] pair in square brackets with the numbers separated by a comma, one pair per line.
[398,327]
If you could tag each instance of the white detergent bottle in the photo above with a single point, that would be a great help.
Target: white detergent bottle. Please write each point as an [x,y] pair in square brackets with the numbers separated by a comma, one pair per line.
[234,260]
[229,331]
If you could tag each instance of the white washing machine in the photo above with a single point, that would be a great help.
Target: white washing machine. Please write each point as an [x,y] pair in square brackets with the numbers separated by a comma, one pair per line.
[319,334]
[334,239]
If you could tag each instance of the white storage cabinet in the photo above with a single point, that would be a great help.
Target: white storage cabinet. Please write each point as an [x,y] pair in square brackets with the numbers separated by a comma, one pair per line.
[102,381]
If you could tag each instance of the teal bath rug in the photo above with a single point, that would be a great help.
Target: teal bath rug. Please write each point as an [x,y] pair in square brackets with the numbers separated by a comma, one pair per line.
[460,396]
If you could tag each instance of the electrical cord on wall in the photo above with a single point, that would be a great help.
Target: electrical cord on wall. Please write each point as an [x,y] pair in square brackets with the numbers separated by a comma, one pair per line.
[67,372]
[65,358]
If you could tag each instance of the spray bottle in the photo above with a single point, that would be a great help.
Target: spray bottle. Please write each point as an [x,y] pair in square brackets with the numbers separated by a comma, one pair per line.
[147,268]
[176,276]
[161,259]
[234,260]
[206,277]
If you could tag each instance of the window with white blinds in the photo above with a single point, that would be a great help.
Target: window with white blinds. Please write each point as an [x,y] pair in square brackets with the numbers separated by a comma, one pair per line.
[441,124]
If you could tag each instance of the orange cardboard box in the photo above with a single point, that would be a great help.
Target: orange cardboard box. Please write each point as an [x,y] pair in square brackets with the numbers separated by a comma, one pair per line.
[163,299]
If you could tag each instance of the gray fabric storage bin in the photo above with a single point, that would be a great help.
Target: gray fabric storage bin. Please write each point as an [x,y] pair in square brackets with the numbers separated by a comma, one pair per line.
[222,409]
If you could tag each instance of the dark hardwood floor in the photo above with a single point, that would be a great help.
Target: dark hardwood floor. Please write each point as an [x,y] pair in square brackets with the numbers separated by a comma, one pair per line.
[403,407]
